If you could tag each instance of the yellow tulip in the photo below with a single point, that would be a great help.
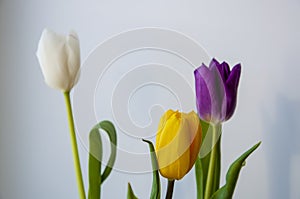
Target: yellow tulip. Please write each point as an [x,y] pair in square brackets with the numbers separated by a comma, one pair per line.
[178,142]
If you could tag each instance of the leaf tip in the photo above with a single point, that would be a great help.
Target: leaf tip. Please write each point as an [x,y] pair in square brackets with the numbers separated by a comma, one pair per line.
[147,141]
[258,144]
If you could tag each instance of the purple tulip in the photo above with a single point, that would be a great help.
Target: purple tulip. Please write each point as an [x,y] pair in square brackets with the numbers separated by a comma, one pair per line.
[216,90]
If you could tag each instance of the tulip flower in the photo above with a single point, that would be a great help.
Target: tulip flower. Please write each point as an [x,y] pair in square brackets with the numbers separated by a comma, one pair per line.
[216,91]
[59,58]
[177,143]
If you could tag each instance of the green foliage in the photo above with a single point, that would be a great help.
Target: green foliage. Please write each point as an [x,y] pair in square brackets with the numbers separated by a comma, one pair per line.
[202,164]
[130,194]
[155,192]
[94,164]
[95,157]
[226,192]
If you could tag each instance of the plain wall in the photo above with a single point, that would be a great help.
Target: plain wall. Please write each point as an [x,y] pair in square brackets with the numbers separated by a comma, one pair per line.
[35,151]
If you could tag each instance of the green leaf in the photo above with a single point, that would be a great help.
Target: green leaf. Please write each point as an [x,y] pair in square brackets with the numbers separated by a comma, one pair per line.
[155,192]
[226,192]
[202,164]
[130,194]
[205,160]
[213,175]
[95,157]
[109,128]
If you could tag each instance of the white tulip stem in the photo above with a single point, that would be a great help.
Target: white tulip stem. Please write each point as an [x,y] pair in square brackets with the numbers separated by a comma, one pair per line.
[74,146]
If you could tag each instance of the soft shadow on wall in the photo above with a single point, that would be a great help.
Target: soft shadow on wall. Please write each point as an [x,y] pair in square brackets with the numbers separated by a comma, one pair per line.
[281,140]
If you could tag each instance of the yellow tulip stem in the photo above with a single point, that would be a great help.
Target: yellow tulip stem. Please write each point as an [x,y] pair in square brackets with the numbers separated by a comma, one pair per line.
[74,146]
[169,194]
[212,164]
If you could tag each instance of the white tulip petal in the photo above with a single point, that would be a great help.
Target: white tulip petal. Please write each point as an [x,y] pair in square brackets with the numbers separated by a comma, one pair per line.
[59,58]
[73,51]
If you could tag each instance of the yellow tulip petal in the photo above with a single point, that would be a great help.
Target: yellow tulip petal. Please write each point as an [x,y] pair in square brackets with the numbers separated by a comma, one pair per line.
[177,143]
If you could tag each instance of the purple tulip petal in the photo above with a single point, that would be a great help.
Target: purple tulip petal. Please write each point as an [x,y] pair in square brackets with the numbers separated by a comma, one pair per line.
[231,90]
[213,62]
[203,99]
[216,90]
[224,71]
[234,77]
[218,95]
[210,93]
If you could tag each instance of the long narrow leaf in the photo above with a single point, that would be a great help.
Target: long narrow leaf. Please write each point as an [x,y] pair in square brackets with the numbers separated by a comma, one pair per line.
[155,192]
[109,128]
[202,163]
[95,157]
[130,194]
[226,192]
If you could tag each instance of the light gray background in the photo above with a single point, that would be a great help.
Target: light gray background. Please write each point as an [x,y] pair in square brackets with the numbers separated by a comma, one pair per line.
[35,156]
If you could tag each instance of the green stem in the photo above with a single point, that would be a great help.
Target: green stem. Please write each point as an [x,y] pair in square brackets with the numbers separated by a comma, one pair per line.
[74,146]
[170,189]
[212,164]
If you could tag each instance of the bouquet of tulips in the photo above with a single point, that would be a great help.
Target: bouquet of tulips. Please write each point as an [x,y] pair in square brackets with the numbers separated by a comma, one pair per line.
[183,140]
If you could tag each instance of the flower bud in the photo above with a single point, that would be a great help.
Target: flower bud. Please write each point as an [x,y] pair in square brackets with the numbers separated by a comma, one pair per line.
[178,143]
[59,58]
[216,91]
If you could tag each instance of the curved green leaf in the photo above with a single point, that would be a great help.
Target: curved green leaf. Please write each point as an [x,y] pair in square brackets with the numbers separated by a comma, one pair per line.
[130,194]
[94,164]
[95,157]
[226,192]
[109,128]
[155,192]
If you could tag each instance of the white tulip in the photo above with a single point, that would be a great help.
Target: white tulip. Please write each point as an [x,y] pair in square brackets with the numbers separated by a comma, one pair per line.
[59,58]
